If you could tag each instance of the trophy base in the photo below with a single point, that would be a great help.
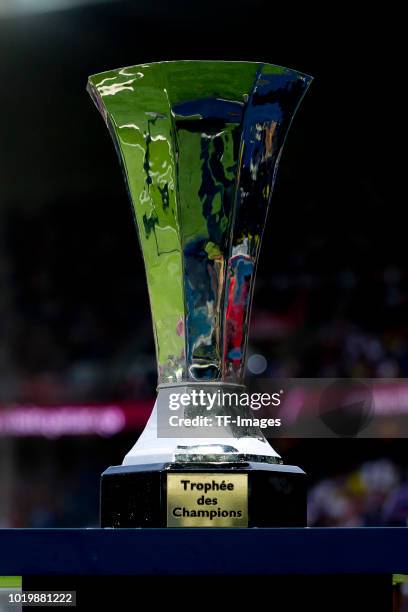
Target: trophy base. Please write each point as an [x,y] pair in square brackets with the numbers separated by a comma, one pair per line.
[242,494]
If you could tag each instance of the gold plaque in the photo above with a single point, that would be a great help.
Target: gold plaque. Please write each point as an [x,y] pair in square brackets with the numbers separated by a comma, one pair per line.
[197,499]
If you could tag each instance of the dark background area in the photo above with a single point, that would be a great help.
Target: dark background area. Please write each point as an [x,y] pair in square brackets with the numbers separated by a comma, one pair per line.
[331,294]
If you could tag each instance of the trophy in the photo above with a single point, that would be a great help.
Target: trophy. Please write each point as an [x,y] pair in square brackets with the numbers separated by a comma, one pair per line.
[199,143]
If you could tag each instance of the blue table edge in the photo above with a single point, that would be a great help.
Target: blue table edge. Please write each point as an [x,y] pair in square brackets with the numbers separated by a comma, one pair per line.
[377,550]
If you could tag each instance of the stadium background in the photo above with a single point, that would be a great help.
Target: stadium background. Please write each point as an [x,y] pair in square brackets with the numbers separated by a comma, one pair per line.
[331,295]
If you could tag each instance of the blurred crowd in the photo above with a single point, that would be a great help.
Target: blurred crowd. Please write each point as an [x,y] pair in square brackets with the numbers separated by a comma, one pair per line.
[374,494]
[347,323]
[63,500]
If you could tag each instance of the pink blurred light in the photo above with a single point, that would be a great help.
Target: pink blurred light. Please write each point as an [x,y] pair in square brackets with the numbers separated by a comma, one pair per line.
[76,420]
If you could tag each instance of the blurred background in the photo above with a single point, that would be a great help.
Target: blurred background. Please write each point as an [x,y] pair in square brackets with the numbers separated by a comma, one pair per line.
[77,366]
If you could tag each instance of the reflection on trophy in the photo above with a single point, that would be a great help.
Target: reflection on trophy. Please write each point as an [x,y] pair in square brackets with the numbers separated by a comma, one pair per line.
[199,143]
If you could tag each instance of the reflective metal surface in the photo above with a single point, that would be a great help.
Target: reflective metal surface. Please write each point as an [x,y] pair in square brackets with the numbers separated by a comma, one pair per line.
[199,143]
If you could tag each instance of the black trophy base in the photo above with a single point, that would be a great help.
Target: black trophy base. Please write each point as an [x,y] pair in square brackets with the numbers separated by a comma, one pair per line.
[136,496]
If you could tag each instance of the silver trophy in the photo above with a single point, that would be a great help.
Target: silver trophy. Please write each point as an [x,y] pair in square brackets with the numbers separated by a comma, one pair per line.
[199,143]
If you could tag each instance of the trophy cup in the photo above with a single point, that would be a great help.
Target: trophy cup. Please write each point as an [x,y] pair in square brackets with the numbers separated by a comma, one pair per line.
[199,143]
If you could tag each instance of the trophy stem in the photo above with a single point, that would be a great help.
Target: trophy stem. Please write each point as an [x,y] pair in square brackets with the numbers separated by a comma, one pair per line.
[214,432]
